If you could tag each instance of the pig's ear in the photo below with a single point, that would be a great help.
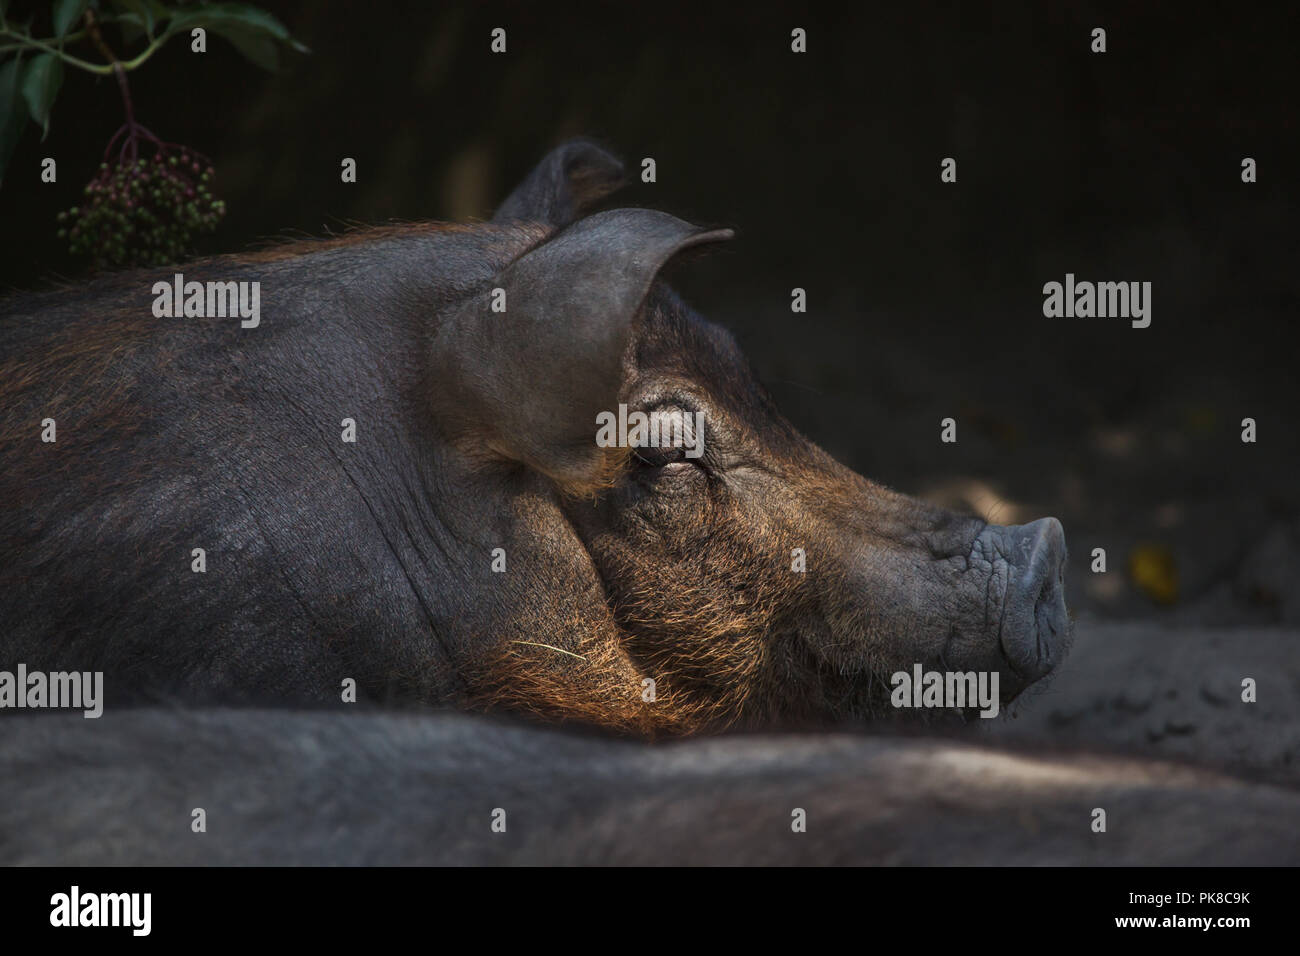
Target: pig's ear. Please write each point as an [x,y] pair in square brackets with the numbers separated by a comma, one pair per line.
[528,382]
[568,182]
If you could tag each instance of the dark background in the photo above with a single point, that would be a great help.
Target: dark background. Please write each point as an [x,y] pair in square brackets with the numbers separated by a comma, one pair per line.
[925,298]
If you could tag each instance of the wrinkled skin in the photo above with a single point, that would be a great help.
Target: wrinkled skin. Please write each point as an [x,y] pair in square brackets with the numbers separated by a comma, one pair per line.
[476,431]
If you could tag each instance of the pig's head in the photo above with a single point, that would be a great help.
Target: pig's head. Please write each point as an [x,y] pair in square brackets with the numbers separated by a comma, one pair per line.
[752,576]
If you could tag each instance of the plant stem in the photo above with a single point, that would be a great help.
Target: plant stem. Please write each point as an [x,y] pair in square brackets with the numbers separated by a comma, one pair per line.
[98,70]
[132,142]
[70,38]
[27,41]
[131,138]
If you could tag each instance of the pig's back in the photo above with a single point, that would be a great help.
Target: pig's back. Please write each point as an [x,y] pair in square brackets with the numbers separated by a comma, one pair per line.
[183,433]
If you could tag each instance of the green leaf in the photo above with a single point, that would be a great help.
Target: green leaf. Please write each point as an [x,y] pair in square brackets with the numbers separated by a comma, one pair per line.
[248,28]
[213,15]
[40,86]
[136,12]
[13,111]
[146,14]
[66,13]
[132,27]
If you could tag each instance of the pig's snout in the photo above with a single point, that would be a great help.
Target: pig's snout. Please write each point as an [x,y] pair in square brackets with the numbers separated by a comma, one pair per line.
[1034,622]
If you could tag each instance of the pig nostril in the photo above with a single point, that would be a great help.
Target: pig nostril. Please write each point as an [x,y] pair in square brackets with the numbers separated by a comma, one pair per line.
[1034,621]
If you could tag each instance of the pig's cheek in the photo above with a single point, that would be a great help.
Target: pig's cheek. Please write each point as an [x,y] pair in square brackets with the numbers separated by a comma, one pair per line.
[669,502]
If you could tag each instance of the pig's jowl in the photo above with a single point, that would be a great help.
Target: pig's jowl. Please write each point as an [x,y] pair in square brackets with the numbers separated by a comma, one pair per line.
[475,545]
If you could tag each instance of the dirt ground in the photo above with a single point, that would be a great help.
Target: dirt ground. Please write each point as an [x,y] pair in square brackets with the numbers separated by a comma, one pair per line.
[1170,692]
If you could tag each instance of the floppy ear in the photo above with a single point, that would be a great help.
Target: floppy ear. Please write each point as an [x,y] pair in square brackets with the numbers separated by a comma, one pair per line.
[530,381]
[565,184]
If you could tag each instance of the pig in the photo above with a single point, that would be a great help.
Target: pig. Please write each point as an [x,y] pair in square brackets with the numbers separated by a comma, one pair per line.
[391,484]
[325,788]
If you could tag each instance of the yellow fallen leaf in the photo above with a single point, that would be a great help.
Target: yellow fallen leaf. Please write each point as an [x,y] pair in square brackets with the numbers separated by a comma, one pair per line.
[1153,572]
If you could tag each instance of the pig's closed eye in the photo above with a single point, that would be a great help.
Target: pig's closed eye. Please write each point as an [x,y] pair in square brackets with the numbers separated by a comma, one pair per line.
[671,460]
[670,444]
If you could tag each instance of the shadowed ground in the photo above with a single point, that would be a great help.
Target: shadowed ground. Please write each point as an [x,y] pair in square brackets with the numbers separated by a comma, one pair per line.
[1172,692]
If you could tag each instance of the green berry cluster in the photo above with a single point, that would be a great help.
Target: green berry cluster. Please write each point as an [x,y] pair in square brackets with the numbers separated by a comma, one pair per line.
[143,212]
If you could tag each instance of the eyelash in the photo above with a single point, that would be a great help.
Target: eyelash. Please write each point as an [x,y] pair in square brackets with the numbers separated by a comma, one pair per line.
[653,461]
[659,457]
